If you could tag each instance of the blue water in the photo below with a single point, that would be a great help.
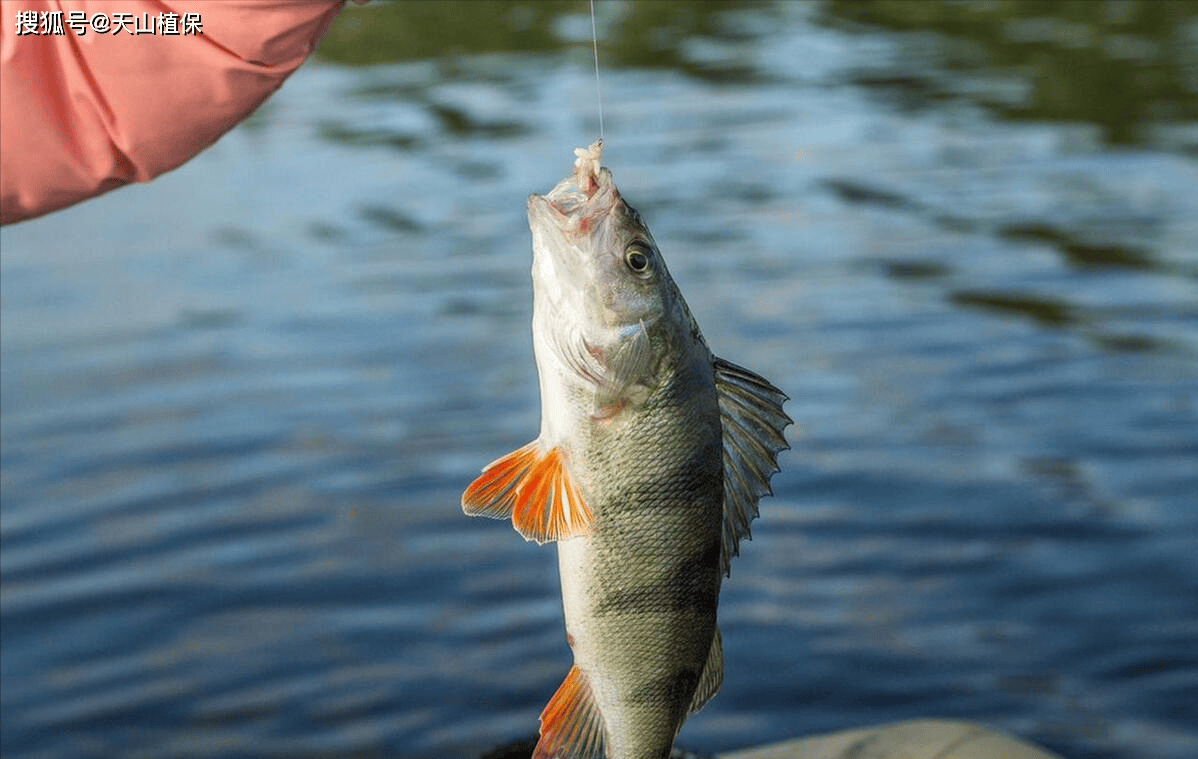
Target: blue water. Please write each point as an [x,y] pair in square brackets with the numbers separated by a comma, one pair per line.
[239,403]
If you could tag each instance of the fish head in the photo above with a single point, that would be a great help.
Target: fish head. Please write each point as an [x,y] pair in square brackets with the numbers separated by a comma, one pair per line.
[603,299]
[594,260]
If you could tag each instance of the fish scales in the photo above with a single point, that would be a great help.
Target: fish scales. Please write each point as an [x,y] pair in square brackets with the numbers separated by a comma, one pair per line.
[640,590]
[647,470]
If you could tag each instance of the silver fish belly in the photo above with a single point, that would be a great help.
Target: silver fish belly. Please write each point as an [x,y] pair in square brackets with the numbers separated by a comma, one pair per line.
[652,456]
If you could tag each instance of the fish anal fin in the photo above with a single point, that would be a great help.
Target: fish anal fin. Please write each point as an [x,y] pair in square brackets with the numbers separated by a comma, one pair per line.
[753,425]
[571,723]
[713,674]
[534,489]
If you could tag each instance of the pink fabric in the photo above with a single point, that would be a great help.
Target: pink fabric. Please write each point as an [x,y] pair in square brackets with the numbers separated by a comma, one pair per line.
[83,114]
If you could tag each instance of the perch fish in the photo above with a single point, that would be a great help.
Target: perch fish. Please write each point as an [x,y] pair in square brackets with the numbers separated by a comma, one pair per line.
[650,461]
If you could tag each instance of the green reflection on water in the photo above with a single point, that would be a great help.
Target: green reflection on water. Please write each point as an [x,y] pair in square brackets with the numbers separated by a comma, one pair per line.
[384,32]
[1121,65]
[642,34]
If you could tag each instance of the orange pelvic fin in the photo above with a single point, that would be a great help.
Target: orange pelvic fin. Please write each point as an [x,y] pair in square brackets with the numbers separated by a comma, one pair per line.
[535,490]
[571,724]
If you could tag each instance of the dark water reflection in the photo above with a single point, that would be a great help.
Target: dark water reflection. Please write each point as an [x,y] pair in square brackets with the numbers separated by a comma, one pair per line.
[239,404]
[1126,67]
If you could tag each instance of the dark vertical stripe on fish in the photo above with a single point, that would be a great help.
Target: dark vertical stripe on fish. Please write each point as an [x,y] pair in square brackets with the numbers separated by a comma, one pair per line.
[692,587]
[685,484]
[675,688]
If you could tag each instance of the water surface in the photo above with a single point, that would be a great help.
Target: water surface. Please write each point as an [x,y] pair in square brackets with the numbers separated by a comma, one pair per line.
[239,403]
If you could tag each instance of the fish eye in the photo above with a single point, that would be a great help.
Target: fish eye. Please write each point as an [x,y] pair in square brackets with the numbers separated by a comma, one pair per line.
[638,256]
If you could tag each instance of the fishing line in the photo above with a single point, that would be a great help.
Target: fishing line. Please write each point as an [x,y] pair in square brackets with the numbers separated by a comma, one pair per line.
[598,89]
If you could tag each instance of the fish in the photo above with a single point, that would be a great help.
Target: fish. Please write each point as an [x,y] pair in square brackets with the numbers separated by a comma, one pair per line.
[650,461]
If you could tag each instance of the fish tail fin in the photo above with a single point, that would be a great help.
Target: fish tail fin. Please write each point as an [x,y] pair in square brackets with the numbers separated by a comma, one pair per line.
[571,724]
[534,489]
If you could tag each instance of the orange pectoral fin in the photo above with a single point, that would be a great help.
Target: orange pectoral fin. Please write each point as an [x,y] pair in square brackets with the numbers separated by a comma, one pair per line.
[535,490]
[571,724]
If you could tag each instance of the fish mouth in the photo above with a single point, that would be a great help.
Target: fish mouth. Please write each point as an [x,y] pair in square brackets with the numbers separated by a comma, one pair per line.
[580,201]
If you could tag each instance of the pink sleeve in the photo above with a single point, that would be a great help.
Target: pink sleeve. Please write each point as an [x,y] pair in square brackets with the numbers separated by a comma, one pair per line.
[81,114]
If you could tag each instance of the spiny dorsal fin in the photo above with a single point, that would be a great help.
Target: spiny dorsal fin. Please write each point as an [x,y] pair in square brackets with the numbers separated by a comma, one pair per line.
[713,674]
[571,723]
[753,422]
[535,490]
